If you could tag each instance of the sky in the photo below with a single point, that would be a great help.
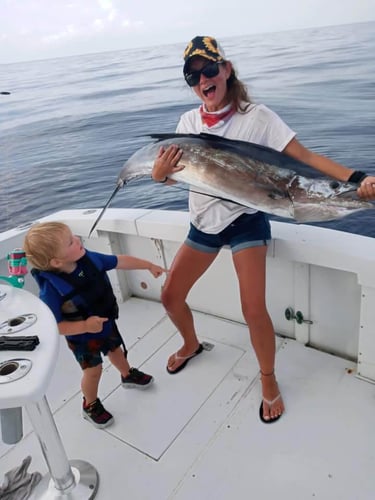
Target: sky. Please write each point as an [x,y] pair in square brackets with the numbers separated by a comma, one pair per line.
[43,29]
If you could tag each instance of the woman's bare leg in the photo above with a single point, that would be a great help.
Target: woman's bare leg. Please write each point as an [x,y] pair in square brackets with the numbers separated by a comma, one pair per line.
[250,265]
[188,266]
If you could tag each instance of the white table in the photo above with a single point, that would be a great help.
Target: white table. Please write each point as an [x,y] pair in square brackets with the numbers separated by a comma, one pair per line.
[24,378]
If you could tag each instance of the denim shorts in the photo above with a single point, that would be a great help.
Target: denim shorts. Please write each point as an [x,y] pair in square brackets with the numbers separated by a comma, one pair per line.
[88,354]
[248,230]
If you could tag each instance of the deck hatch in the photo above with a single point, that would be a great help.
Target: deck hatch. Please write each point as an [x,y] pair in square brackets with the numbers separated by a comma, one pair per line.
[140,416]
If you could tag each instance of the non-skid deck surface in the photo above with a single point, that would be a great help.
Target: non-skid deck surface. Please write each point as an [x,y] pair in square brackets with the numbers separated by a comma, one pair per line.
[197,435]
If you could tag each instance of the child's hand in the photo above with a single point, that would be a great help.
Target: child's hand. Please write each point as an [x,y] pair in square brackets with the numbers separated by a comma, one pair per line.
[156,271]
[94,324]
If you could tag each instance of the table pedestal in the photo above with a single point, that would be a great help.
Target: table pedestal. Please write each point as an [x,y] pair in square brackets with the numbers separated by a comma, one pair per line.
[71,480]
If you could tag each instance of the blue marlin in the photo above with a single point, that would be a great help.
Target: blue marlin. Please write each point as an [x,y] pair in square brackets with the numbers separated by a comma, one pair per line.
[248,174]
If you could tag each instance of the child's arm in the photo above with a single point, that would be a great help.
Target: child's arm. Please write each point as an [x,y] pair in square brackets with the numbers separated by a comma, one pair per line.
[129,262]
[93,324]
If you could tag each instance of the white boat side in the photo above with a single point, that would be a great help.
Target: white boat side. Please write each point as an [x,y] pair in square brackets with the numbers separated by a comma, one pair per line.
[198,434]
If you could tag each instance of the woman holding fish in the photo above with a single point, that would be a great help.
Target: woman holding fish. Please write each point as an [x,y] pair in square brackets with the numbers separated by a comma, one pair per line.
[226,110]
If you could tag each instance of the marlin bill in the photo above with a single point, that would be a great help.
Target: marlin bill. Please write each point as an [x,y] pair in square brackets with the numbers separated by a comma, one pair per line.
[248,174]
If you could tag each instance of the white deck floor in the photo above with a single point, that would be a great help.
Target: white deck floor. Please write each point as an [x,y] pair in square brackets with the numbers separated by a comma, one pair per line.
[197,435]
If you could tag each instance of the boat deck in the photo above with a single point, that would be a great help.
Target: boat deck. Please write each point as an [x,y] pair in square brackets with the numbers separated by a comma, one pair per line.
[197,435]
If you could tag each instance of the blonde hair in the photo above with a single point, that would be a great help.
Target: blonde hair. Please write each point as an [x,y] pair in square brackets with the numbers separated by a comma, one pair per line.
[42,243]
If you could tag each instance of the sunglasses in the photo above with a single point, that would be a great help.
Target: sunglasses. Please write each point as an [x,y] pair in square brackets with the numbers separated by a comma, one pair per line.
[210,70]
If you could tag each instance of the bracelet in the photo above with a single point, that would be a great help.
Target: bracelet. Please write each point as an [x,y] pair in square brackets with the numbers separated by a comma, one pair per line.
[165,180]
[357,176]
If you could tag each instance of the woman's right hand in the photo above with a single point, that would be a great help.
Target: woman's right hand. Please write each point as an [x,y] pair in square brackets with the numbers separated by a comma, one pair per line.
[166,163]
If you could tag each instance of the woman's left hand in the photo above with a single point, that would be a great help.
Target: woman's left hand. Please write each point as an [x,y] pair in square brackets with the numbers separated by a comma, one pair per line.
[366,189]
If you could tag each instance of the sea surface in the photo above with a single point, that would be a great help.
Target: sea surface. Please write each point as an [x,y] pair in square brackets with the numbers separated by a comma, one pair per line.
[69,124]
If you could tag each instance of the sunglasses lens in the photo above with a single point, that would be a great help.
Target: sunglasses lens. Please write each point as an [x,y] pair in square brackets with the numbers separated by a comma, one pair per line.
[192,79]
[209,71]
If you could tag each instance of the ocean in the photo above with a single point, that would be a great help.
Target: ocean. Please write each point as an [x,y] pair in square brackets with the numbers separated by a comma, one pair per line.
[69,123]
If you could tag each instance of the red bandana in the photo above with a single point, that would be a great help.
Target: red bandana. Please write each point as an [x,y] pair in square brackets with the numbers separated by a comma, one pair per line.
[211,119]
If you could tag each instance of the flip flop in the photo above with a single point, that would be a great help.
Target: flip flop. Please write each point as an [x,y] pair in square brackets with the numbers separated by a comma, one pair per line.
[270,403]
[186,358]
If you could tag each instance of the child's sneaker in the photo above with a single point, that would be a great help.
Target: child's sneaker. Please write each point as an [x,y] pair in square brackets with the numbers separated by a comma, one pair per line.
[136,378]
[96,414]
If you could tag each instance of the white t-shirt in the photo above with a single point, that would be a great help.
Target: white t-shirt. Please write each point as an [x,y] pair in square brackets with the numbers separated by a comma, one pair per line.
[259,125]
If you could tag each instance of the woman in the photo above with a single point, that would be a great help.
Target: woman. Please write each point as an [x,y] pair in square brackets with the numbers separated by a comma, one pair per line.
[227,111]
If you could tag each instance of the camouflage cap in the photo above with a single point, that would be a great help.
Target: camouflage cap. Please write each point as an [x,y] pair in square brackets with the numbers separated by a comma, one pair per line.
[203,46]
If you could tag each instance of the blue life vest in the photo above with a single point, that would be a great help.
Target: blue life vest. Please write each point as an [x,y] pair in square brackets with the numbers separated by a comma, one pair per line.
[86,294]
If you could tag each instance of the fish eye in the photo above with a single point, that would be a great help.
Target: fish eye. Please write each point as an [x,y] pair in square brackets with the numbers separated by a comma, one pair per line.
[334,184]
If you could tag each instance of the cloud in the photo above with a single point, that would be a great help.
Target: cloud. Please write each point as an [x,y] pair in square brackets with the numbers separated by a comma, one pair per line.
[98,24]
[112,15]
[69,32]
[105,4]
[30,27]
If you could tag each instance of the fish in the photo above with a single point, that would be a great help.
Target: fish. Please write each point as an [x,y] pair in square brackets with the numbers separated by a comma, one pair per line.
[248,174]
